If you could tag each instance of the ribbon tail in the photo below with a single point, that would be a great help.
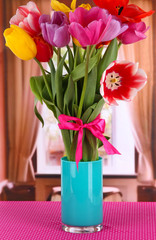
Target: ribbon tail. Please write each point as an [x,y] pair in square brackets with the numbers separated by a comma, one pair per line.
[109,148]
[79,147]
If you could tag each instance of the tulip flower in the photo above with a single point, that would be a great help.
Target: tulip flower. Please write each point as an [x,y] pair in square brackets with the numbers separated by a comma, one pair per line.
[122,81]
[134,33]
[89,27]
[20,43]
[94,26]
[120,8]
[55,30]
[27,17]
[57,6]
[44,49]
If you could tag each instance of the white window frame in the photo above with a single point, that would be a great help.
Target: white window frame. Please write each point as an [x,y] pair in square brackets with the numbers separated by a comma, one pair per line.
[114,164]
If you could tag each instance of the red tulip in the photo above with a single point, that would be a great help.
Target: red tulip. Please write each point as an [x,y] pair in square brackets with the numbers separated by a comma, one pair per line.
[122,81]
[120,8]
[44,49]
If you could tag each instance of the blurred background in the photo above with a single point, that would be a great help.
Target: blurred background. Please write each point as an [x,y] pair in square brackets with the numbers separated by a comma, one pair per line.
[30,155]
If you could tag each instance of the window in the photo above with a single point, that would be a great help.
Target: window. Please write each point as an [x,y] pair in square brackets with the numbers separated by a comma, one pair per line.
[50,146]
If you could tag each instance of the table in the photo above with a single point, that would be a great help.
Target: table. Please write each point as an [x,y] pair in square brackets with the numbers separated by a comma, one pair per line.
[42,220]
[45,182]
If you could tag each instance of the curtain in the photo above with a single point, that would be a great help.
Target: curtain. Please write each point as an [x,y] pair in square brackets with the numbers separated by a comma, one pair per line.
[154,97]
[141,108]
[2,106]
[22,124]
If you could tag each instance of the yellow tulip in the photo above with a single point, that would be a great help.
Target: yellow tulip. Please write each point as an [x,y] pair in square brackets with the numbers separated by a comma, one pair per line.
[57,6]
[20,43]
[86,6]
[76,42]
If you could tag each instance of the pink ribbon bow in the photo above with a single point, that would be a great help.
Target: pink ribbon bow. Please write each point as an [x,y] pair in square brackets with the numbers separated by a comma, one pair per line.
[96,127]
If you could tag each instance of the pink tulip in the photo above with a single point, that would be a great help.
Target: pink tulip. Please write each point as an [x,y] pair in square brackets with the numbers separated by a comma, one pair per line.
[134,33]
[27,18]
[89,27]
[122,81]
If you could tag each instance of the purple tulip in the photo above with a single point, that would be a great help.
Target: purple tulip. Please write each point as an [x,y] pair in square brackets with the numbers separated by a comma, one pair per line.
[55,30]
[134,33]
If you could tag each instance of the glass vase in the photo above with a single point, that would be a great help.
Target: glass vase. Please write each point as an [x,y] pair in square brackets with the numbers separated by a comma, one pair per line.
[81,196]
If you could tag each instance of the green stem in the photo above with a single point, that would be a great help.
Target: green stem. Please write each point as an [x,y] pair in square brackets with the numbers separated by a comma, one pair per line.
[119,45]
[75,63]
[92,50]
[75,58]
[84,54]
[84,84]
[58,56]
[81,54]
[44,78]
[65,65]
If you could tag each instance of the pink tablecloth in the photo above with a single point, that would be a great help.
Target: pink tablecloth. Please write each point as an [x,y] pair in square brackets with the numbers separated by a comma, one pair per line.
[42,220]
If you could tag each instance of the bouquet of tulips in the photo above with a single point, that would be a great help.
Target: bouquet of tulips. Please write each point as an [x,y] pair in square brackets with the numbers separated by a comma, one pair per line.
[86,74]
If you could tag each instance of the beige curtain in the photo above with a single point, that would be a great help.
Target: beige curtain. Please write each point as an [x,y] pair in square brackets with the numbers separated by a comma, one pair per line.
[22,123]
[141,107]
[2,104]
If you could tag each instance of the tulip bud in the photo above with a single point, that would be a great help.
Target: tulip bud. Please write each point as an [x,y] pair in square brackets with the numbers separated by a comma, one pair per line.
[27,17]
[44,49]
[20,43]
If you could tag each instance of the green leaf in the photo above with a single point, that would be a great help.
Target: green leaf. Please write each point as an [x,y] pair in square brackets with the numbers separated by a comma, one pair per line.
[52,70]
[100,144]
[37,113]
[91,88]
[58,83]
[69,95]
[51,107]
[75,110]
[97,97]
[66,136]
[66,111]
[93,144]
[87,149]
[79,71]
[109,56]
[73,148]
[88,112]
[97,110]
[70,59]
[36,85]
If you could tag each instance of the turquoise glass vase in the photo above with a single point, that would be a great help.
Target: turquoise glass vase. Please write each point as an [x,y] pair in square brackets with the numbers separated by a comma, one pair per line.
[81,196]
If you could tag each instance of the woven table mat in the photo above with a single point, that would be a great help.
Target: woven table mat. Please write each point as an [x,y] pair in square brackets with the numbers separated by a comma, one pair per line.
[42,220]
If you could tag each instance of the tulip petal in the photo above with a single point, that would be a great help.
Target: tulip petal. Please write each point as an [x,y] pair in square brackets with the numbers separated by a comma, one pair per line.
[20,43]
[134,33]
[78,32]
[50,29]
[73,4]
[33,7]
[33,22]
[64,39]
[27,17]
[133,13]
[57,6]
[44,19]
[113,30]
